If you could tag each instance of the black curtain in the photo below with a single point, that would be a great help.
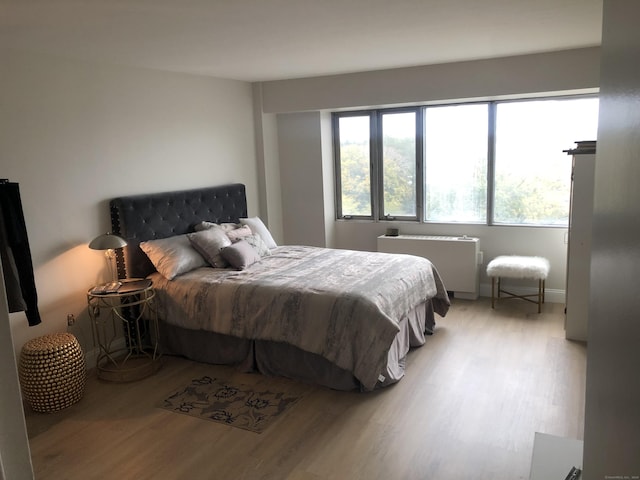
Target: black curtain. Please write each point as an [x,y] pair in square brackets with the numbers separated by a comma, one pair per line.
[17,266]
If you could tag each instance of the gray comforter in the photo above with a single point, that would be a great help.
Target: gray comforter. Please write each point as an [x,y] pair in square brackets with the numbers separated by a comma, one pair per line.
[343,305]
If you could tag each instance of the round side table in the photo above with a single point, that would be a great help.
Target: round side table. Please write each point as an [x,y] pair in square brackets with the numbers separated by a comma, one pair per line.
[125,330]
[52,372]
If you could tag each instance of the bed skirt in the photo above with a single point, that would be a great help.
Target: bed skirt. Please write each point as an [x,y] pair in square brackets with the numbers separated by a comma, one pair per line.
[280,359]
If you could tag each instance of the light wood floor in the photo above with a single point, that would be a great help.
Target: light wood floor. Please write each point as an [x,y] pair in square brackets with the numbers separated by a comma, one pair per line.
[468,408]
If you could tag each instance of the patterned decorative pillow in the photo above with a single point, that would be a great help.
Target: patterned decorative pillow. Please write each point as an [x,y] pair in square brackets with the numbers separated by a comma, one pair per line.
[256,242]
[208,243]
[240,255]
[226,227]
[173,256]
[257,226]
[238,233]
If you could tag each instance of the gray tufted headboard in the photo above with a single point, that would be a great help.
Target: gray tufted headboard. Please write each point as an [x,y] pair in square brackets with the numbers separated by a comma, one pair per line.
[138,218]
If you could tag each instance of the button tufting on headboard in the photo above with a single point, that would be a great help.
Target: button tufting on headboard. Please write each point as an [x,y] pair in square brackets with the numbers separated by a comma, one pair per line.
[138,218]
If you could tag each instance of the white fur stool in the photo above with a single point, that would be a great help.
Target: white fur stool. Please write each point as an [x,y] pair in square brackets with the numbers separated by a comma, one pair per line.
[513,266]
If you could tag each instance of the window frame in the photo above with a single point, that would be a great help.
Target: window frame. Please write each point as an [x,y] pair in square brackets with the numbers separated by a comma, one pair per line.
[335,122]
[377,168]
[419,163]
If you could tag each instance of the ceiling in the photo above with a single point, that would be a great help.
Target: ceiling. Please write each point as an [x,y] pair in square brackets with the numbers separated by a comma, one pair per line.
[259,40]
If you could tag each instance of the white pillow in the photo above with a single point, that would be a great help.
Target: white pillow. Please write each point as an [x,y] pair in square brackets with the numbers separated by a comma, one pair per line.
[173,256]
[256,242]
[256,226]
[208,243]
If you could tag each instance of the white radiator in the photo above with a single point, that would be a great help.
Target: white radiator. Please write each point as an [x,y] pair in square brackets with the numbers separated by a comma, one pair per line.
[456,258]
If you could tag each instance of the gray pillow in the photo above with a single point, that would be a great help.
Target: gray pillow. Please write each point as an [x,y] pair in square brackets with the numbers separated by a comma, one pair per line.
[240,255]
[208,243]
[173,256]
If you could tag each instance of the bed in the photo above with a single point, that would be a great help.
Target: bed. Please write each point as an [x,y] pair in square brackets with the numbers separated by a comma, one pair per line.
[338,318]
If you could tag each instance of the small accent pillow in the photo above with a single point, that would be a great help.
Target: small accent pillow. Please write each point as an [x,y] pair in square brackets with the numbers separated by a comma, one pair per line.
[173,256]
[208,243]
[258,244]
[198,227]
[240,255]
[238,233]
[257,226]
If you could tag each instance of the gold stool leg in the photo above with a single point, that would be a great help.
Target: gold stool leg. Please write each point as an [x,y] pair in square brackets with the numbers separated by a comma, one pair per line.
[540,294]
[493,288]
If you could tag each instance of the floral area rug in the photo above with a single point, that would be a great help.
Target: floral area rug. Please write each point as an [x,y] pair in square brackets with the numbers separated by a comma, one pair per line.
[249,407]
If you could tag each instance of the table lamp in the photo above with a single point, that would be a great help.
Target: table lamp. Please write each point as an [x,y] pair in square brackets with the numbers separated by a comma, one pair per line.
[109,243]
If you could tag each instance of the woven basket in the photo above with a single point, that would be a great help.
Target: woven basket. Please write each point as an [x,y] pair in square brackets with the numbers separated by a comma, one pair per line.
[52,372]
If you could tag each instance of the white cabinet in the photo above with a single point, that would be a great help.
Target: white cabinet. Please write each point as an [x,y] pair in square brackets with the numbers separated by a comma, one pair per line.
[554,456]
[579,244]
[455,258]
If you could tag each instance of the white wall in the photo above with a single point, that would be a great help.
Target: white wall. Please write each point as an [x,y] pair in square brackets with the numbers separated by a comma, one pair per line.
[15,459]
[328,176]
[479,79]
[306,158]
[76,134]
[612,410]
[301,178]
[268,164]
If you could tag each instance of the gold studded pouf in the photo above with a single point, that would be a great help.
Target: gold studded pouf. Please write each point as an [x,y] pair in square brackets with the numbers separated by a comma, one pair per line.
[52,372]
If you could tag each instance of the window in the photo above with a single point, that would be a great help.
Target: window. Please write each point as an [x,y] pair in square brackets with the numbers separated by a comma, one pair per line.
[456,145]
[355,174]
[532,174]
[399,164]
[489,162]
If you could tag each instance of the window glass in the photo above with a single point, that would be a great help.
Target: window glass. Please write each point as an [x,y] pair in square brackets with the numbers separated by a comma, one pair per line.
[399,163]
[456,142]
[532,173]
[355,176]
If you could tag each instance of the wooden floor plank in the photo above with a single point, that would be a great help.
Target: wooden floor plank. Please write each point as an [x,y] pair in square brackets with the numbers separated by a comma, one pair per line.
[468,407]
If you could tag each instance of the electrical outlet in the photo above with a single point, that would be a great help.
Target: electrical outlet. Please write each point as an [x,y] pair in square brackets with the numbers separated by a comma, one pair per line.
[71,319]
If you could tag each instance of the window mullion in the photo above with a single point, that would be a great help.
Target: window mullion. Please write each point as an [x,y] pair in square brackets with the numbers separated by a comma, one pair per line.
[420,180]
[491,163]
[337,164]
[376,166]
